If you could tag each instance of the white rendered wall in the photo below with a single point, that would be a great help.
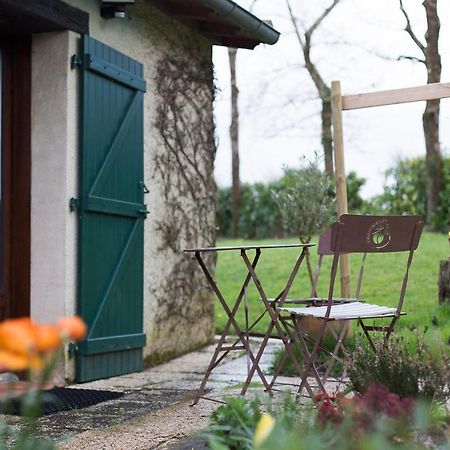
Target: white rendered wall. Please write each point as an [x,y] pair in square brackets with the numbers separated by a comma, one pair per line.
[54,143]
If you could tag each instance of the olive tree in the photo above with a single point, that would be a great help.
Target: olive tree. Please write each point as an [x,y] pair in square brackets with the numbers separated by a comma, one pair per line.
[307,203]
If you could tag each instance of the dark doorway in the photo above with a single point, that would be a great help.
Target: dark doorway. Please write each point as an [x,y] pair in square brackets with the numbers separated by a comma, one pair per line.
[15,175]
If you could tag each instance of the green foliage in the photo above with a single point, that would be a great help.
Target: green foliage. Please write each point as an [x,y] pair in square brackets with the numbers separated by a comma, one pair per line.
[301,189]
[12,439]
[405,191]
[259,216]
[405,188]
[386,433]
[405,367]
[356,204]
[306,200]
[232,425]
[376,421]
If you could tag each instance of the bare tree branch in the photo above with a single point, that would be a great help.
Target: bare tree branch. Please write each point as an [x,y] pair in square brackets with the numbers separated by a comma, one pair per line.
[295,24]
[324,91]
[252,5]
[305,43]
[319,20]
[409,29]
[410,58]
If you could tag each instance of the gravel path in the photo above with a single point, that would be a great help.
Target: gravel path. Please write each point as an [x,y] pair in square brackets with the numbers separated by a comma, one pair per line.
[154,413]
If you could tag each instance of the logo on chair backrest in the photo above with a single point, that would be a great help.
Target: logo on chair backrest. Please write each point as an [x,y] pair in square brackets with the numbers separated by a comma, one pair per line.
[379,234]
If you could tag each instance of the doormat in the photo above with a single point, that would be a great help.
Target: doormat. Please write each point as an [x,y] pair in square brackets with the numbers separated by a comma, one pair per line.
[64,399]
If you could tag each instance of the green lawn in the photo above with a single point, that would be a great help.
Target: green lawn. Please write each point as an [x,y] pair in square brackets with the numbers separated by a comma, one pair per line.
[381,283]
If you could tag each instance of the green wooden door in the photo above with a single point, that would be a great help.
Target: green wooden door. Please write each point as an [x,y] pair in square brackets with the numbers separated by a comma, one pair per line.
[111,213]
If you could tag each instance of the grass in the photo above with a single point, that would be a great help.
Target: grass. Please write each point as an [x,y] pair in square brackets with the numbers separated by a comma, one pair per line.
[381,285]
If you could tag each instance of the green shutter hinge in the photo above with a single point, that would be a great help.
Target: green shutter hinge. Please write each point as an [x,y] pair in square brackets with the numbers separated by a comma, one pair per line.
[74,204]
[72,350]
[76,62]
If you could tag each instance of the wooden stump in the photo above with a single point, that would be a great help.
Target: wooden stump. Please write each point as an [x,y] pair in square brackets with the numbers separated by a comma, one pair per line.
[444,281]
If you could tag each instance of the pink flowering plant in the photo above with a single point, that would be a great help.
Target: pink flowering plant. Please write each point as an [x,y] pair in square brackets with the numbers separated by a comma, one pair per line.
[364,411]
[377,420]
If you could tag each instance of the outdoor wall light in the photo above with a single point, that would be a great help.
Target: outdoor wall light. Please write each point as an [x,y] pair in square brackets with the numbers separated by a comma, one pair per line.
[115,9]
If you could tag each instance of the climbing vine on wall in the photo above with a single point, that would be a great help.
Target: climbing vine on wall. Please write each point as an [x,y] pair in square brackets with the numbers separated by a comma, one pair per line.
[184,166]
[184,120]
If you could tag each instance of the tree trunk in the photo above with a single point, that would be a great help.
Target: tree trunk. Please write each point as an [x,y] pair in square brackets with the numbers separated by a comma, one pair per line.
[444,281]
[327,136]
[430,120]
[430,116]
[234,137]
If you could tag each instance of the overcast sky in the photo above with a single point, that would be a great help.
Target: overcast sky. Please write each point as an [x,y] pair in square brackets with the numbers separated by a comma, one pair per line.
[357,44]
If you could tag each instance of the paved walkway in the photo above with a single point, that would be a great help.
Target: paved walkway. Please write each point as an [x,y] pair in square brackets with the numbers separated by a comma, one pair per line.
[154,413]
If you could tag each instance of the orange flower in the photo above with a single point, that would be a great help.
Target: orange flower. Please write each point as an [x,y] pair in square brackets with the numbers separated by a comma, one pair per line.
[18,350]
[17,336]
[25,344]
[47,338]
[72,327]
[15,362]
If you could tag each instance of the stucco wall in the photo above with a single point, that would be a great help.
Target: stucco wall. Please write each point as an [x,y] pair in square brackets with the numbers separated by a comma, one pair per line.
[54,138]
[148,36]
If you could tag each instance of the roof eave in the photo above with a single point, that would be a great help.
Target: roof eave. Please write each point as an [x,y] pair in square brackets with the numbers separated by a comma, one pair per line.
[258,29]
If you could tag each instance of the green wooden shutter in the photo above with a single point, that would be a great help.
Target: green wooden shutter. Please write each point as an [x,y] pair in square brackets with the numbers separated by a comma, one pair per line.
[112,213]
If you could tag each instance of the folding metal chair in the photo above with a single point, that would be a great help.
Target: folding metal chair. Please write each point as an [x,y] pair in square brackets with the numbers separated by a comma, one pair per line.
[351,234]
[323,250]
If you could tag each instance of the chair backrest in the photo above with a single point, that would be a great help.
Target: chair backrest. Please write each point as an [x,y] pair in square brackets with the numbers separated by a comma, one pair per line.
[375,234]
[324,249]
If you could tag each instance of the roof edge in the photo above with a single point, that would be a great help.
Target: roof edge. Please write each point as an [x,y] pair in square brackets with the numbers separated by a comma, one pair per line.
[245,19]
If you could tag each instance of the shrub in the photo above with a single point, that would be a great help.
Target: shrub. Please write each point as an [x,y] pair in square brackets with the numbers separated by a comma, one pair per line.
[259,216]
[356,204]
[364,411]
[407,372]
[306,200]
[404,191]
[378,420]
[232,425]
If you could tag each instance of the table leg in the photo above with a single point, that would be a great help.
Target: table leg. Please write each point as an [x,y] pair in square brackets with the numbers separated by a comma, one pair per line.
[273,315]
[247,331]
[231,322]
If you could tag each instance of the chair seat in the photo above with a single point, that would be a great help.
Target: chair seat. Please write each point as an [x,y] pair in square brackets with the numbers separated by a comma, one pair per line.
[308,300]
[344,311]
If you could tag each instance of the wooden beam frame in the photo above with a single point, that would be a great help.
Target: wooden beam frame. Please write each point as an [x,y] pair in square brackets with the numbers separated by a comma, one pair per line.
[43,15]
[396,96]
[341,103]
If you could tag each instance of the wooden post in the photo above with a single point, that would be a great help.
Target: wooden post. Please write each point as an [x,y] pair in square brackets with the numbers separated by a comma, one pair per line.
[341,183]
[444,279]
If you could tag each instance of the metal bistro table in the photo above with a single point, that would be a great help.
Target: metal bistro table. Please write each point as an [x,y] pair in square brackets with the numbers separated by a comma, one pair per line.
[242,337]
